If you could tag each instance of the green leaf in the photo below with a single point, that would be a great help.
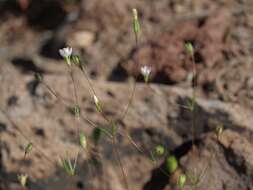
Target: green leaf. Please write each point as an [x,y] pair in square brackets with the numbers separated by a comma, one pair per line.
[68,167]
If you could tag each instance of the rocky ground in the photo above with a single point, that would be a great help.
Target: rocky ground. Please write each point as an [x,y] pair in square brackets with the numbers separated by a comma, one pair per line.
[100,32]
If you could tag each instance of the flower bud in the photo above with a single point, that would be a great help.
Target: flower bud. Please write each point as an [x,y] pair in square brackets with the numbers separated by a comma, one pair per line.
[97,103]
[136,23]
[28,148]
[159,149]
[22,178]
[82,140]
[171,164]
[77,110]
[181,181]
[189,48]
[38,77]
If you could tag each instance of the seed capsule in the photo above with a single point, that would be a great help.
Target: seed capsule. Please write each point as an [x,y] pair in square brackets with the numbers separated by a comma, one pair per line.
[181,181]
[82,140]
[171,164]
[159,149]
[189,48]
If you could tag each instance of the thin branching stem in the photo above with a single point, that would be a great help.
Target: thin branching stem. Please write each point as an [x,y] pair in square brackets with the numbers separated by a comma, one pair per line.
[120,162]
[193,110]
[88,81]
[130,101]
[109,122]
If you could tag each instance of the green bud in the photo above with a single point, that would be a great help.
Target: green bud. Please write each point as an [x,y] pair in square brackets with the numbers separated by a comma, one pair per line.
[22,178]
[38,77]
[98,104]
[136,24]
[189,48]
[181,181]
[171,164]
[77,110]
[159,149]
[76,61]
[82,140]
[28,148]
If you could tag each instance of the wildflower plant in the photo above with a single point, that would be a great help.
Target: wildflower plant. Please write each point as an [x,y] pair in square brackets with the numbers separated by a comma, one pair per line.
[112,130]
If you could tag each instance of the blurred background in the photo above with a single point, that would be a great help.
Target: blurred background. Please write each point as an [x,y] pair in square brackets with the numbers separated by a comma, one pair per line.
[100,32]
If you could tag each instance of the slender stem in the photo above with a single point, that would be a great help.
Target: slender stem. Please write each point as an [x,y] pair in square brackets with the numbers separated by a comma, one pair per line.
[57,96]
[193,98]
[89,82]
[75,163]
[129,102]
[119,161]
[113,137]
[77,117]
[74,85]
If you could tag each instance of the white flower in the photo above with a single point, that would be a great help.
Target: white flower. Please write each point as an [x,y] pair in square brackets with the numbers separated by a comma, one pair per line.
[145,71]
[66,52]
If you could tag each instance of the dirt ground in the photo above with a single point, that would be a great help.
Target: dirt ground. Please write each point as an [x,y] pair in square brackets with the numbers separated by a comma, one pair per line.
[100,31]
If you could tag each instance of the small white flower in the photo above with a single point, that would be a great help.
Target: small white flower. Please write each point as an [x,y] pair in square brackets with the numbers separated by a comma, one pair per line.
[145,71]
[66,52]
